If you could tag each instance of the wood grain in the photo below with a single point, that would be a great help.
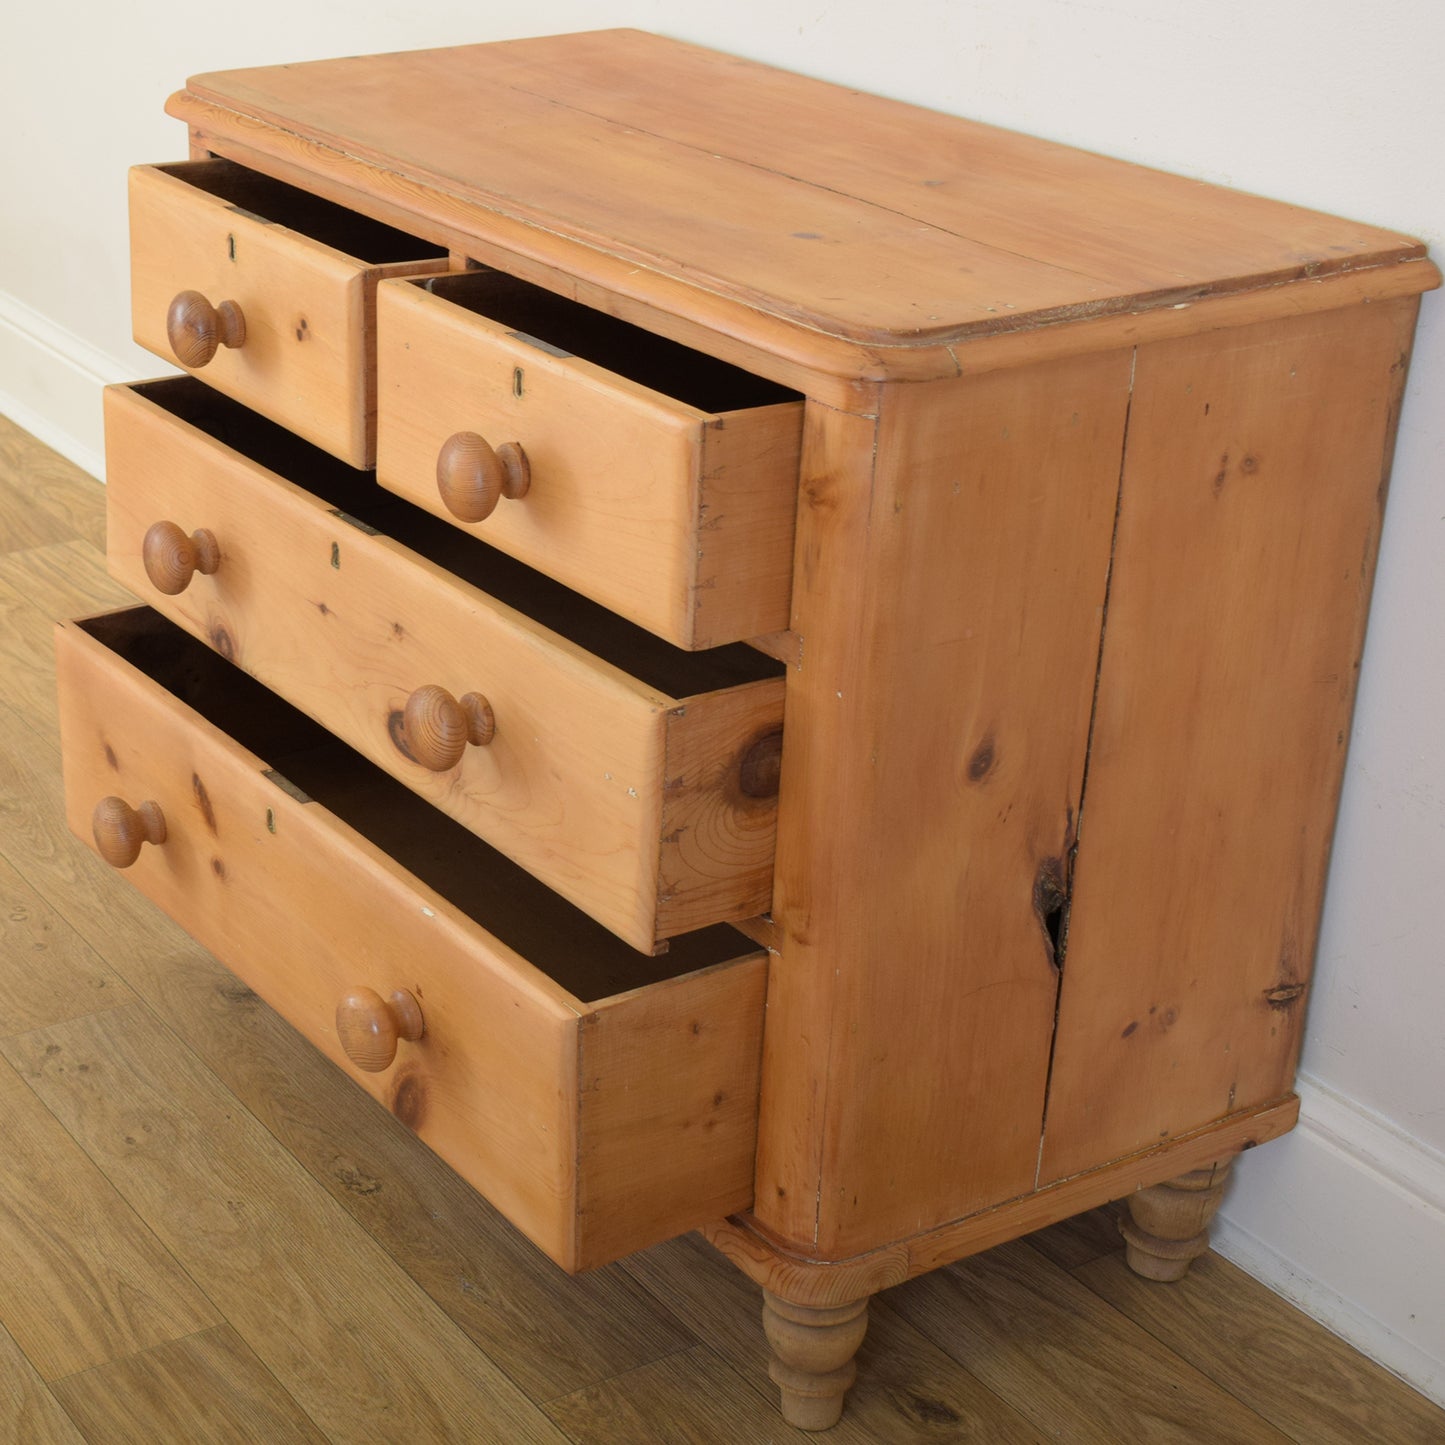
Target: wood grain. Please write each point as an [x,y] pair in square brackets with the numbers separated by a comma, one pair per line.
[964,560]
[37,482]
[206,1389]
[1080,1239]
[691,1398]
[823,1281]
[1116,223]
[1249,520]
[675,518]
[580,785]
[217,1191]
[1006,1314]
[26,522]
[864,193]
[28,1411]
[551,1334]
[907,1389]
[667,1111]
[87,1281]
[305,909]
[47,973]
[32,584]
[1267,1355]
[969,715]
[308,357]
[720,807]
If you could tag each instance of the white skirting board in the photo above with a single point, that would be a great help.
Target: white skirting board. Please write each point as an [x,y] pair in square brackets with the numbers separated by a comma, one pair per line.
[50,383]
[1345,1216]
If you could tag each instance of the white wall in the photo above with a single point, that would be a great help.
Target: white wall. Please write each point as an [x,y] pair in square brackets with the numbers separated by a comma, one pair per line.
[1315,101]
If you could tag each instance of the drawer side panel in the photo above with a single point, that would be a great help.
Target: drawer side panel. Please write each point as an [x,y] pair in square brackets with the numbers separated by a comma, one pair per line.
[668,1110]
[720,806]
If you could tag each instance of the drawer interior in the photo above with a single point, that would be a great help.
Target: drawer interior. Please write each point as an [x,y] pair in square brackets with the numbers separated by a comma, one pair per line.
[357,498]
[568,328]
[581,956]
[271,200]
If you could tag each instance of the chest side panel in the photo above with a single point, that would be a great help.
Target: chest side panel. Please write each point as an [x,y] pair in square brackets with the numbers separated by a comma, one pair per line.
[947,595]
[1248,524]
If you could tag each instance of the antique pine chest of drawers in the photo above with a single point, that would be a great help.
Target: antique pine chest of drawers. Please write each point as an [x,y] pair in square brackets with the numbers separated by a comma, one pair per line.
[742,655]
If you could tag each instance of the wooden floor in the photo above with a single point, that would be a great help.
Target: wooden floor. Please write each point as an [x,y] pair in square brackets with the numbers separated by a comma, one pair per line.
[206,1234]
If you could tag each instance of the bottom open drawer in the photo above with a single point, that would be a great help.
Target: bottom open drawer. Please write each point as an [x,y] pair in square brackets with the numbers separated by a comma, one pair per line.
[602,1098]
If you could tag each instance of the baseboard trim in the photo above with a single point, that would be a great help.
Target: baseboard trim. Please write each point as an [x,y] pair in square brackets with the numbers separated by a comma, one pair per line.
[50,383]
[1346,1218]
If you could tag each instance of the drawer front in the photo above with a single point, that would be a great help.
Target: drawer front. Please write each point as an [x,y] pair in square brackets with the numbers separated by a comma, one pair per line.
[303,351]
[596,1127]
[678,518]
[637,805]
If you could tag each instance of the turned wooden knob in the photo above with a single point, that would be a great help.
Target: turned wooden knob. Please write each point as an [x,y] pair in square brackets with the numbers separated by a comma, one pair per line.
[195,328]
[121,831]
[369,1026]
[171,558]
[436,727]
[472,478]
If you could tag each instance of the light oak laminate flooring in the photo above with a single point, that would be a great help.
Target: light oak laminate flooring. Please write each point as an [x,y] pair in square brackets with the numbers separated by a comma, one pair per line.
[208,1235]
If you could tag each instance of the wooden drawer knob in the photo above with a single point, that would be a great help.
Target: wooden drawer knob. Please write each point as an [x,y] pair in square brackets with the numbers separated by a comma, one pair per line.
[171,558]
[472,478]
[369,1026]
[121,831]
[195,328]
[436,727]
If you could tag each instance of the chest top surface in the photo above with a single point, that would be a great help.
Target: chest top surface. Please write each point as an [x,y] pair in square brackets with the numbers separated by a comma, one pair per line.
[786,201]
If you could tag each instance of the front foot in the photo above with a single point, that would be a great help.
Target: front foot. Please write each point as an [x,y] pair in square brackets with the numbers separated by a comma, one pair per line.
[1166,1228]
[813,1353]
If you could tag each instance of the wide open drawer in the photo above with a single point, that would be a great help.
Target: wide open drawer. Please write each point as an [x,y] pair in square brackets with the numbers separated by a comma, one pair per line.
[272,291]
[601,1098]
[658,481]
[636,779]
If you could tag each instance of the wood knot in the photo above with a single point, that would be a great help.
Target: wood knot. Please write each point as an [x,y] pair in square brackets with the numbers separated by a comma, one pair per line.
[221,641]
[980,765]
[408,1099]
[203,801]
[1283,995]
[396,730]
[761,766]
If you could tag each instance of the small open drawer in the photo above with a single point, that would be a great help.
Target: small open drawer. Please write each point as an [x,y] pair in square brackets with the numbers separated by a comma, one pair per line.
[653,478]
[638,780]
[272,291]
[602,1098]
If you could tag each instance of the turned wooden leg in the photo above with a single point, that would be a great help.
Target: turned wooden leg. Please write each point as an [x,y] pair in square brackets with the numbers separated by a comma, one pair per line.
[1166,1228]
[813,1353]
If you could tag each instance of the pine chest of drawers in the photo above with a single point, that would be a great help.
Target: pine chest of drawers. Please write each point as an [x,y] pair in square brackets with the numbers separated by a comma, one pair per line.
[744,656]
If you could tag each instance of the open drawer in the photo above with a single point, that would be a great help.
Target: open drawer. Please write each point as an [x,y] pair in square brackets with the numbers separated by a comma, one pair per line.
[272,291]
[603,1099]
[655,479]
[636,779]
